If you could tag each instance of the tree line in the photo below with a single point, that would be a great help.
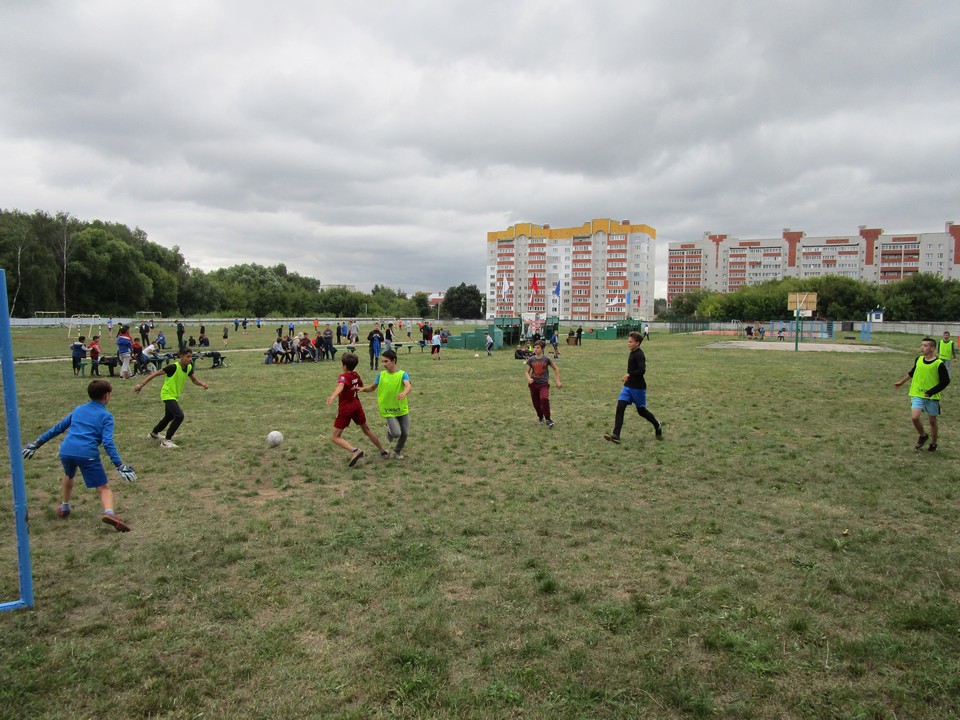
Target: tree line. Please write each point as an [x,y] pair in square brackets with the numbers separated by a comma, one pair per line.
[59,263]
[925,297]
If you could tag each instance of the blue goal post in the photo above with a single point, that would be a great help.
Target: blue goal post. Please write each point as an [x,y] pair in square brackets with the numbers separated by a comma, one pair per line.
[16,459]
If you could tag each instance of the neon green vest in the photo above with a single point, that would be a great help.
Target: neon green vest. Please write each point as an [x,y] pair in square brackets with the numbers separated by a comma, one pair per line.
[173,384]
[925,376]
[946,350]
[388,387]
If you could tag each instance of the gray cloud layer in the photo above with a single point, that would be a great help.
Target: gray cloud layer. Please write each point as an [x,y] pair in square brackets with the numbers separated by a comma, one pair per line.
[379,141]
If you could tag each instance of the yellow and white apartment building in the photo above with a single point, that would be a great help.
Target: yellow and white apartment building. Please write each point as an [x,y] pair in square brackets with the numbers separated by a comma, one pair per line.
[602,270]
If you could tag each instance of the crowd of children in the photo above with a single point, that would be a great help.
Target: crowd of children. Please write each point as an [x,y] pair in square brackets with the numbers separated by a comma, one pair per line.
[92,426]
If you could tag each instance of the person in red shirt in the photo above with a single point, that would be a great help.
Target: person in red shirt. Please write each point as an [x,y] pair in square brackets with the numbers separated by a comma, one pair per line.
[95,352]
[349,409]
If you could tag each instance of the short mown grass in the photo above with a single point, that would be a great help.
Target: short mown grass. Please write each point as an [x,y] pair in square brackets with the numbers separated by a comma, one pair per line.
[784,553]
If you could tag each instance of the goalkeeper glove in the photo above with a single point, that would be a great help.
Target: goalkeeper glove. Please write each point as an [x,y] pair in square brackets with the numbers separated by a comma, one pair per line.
[127,473]
[29,449]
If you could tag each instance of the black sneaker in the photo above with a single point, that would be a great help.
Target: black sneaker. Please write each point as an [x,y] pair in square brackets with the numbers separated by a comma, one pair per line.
[921,441]
[615,439]
[659,430]
[550,423]
[541,421]
[932,448]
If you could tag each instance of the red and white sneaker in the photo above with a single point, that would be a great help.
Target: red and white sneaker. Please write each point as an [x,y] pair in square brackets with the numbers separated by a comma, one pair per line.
[118,524]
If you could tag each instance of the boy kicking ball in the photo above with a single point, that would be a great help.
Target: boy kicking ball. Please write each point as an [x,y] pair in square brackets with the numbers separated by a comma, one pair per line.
[349,408]
[90,426]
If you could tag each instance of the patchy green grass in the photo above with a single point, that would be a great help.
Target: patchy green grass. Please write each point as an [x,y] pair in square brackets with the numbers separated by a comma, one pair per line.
[784,553]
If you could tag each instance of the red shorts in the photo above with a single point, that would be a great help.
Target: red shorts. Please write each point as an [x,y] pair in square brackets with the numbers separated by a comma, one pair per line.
[346,413]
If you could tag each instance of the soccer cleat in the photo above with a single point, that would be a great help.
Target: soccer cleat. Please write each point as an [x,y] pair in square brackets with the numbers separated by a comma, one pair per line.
[63,512]
[659,430]
[550,423]
[615,439]
[396,456]
[117,524]
[155,436]
[167,444]
[932,448]
[921,441]
[355,458]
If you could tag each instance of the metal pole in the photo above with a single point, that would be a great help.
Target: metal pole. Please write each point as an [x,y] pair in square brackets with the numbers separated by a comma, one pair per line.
[16,459]
[796,329]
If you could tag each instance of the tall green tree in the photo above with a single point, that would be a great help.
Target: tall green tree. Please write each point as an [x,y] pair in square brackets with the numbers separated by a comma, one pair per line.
[421,303]
[463,301]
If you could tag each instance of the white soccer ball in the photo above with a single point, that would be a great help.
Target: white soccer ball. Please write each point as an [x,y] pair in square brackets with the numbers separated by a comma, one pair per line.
[476,354]
[274,438]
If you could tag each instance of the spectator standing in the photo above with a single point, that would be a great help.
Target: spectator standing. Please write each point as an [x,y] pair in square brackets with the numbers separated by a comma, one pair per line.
[95,353]
[124,351]
[375,340]
[78,351]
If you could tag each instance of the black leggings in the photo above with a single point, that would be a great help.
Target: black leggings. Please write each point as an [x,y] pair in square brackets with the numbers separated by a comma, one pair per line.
[173,416]
[641,411]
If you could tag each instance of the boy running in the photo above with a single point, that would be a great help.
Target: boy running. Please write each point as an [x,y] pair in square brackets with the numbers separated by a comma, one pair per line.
[349,408]
[90,426]
[176,377]
[393,386]
[634,390]
[537,368]
[929,378]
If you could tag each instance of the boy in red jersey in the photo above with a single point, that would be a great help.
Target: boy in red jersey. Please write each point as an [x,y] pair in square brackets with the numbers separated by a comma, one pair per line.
[537,369]
[349,408]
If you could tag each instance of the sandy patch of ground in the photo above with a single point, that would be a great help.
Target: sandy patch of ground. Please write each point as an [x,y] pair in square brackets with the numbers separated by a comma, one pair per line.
[809,346]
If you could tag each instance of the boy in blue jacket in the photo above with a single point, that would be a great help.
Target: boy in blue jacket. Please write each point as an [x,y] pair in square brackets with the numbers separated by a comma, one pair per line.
[90,426]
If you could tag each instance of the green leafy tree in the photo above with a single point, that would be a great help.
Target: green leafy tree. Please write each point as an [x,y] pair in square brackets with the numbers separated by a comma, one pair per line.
[30,265]
[685,305]
[463,301]
[421,303]
[198,293]
[104,275]
[340,302]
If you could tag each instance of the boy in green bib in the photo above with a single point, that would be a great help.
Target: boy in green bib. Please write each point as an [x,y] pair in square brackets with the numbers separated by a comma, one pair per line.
[393,386]
[176,377]
[928,378]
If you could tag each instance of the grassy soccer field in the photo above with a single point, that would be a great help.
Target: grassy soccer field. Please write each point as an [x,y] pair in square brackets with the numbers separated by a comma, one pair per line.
[784,553]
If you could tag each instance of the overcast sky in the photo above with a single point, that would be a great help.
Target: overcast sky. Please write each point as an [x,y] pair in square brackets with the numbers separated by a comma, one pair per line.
[378,142]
